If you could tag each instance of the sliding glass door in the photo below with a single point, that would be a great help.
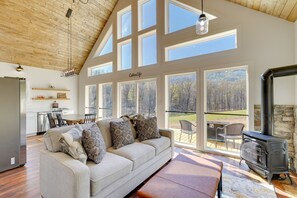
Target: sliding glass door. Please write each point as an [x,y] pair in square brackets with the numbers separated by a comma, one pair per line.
[181,107]
[226,107]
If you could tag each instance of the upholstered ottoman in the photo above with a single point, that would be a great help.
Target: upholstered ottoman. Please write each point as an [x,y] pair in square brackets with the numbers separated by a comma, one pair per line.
[185,176]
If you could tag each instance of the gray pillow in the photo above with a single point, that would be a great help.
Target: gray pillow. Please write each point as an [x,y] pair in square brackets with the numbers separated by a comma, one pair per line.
[93,143]
[71,144]
[121,133]
[147,128]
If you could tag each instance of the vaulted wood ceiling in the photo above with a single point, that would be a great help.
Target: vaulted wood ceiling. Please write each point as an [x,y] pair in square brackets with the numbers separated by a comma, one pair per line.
[35,32]
[285,9]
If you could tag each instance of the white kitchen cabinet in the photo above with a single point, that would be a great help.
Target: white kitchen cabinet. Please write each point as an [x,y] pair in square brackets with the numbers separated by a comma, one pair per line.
[31,123]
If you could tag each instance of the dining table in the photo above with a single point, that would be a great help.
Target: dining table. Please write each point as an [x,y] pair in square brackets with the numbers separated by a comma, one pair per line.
[72,119]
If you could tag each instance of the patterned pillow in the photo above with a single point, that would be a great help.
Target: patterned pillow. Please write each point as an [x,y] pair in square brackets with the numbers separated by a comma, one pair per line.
[93,143]
[147,128]
[71,144]
[121,133]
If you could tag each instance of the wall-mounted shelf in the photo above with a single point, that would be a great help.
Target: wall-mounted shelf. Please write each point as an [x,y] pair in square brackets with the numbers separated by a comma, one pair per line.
[50,98]
[49,89]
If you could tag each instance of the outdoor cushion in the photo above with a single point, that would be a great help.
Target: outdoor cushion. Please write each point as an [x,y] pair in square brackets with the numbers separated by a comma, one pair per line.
[108,171]
[137,152]
[160,144]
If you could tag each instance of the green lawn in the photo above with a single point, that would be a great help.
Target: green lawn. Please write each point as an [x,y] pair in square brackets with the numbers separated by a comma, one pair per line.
[175,117]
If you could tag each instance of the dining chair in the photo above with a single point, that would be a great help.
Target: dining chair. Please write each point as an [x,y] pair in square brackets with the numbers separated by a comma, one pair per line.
[230,131]
[187,128]
[90,118]
[51,120]
[61,121]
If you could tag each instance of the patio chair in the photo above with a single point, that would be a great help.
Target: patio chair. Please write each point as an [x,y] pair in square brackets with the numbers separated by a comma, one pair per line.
[90,118]
[186,127]
[230,131]
[61,122]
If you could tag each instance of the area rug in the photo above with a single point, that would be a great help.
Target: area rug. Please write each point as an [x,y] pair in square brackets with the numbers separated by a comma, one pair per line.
[234,186]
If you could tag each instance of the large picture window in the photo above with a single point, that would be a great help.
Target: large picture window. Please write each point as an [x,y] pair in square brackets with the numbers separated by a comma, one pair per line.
[138,97]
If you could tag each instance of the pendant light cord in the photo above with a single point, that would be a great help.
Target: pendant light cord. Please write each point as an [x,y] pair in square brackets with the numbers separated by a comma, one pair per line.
[202,5]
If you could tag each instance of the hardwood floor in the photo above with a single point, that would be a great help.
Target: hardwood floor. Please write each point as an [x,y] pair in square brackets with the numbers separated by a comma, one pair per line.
[23,182]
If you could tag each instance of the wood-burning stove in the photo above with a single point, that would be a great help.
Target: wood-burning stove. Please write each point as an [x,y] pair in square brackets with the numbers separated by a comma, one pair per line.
[267,155]
[262,152]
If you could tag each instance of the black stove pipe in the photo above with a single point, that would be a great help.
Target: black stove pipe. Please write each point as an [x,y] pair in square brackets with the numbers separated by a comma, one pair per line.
[267,95]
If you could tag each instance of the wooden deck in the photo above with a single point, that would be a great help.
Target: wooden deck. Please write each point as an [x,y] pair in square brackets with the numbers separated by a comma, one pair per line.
[23,182]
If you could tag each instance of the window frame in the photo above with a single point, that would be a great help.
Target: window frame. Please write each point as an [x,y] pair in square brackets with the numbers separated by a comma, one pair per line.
[183,6]
[119,21]
[140,18]
[137,93]
[201,40]
[119,55]
[140,49]
[100,99]
[106,37]
[98,66]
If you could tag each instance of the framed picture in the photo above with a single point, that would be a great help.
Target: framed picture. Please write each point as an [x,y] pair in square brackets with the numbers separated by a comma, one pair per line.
[61,95]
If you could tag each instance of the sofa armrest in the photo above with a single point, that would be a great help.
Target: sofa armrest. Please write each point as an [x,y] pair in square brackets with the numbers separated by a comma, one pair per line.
[63,176]
[170,134]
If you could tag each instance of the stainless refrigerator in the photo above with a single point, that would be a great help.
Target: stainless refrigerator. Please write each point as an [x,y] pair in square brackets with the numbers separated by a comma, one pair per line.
[12,123]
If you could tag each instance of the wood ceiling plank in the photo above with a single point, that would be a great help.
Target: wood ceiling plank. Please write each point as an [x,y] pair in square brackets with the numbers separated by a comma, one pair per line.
[250,3]
[271,6]
[280,4]
[287,9]
[257,4]
[293,15]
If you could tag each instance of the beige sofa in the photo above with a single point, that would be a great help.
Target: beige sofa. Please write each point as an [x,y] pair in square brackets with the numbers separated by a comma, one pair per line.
[119,173]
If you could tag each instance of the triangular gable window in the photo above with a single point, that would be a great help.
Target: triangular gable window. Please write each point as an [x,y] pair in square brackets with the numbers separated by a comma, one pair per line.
[105,46]
[181,16]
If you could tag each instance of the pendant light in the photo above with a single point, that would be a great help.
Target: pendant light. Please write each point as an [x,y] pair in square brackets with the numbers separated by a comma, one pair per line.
[19,68]
[202,23]
[70,71]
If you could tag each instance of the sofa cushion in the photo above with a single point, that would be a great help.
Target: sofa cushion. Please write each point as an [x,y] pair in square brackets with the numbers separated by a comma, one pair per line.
[94,144]
[71,144]
[136,152]
[121,133]
[111,169]
[52,136]
[104,126]
[160,144]
[147,128]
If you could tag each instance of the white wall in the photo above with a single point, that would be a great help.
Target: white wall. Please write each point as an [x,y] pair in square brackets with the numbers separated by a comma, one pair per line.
[42,78]
[264,42]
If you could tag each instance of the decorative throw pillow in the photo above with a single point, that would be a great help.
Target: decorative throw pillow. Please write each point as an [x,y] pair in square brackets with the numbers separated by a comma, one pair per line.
[147,128]
[93,143]
[71,144]
[121,133]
